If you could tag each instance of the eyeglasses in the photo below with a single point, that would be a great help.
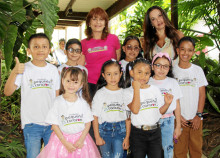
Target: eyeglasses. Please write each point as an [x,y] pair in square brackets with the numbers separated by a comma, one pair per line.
[71,50]
[158,66]
[129,47]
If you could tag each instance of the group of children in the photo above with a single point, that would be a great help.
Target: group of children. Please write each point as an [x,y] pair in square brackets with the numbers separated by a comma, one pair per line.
[134,107]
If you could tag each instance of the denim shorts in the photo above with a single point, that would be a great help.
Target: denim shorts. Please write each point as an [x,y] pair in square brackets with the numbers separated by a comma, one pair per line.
[113,135]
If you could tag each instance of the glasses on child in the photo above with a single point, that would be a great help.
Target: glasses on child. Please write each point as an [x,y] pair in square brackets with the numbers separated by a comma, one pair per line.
[158,66]
[71,50]
[129,47]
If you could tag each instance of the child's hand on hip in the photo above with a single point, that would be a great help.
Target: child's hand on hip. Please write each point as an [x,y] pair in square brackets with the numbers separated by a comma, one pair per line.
[99,141]
[19,67]
[168,98]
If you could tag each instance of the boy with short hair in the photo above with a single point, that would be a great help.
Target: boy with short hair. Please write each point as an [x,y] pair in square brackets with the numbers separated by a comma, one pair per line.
[39,82]
[192,82]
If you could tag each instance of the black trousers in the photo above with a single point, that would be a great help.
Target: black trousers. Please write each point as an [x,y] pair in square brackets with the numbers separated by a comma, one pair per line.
[144,143]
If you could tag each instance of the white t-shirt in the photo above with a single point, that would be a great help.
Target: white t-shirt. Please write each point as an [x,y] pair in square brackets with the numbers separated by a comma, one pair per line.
[109,106]
[60,56]
[151,101]
[168,85]
[38,90]
[60,68]
[70,116]
[190,80]
[124,64]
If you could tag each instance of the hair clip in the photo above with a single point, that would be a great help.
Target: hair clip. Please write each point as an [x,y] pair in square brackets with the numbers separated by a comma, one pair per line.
[129,68]
[113,60]
[66,68]
[161,55]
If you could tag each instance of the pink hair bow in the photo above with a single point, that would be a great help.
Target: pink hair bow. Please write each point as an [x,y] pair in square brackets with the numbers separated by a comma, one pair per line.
[161,55]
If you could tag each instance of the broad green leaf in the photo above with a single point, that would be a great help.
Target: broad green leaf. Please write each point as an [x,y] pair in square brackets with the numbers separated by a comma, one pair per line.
[49,15]
[31,30]
[9,44]
[215,151]
[205,132]
[5,12]
[202,60]
[212,102]
[211,62]
[215,71]
[18,12]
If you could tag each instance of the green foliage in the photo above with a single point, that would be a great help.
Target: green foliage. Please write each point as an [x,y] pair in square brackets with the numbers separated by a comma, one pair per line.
[206,132]
[12,149]
[215,151]
[20,19]
[5,12]
[134,22]
[211,69]
[9,41]
[11,144]
[207,10]
[49,15]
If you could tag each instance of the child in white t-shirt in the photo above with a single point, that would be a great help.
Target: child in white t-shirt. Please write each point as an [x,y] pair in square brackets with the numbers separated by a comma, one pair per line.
[71,119]
[110,128]
[162,78]
[131,49]
[73,51]
[192,82]
[146,104]
[40,83]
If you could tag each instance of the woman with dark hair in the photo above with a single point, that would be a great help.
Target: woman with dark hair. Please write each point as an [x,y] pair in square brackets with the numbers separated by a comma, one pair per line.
[159,34]
[99,46]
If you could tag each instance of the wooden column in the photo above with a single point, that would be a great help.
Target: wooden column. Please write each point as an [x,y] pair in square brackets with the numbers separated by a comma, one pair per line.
[174,13]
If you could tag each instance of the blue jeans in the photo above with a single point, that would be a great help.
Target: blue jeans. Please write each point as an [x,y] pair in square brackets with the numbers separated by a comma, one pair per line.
[167,129]
[33,133]
[113,135]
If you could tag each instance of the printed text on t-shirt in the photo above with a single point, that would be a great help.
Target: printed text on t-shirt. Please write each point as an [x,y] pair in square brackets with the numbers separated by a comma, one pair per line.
[149,104]
[97,49]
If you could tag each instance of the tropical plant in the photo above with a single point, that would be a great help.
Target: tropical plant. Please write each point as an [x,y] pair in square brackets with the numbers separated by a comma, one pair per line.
[211,69]
[19,19]
[207,10]
[134,22]
[11,143]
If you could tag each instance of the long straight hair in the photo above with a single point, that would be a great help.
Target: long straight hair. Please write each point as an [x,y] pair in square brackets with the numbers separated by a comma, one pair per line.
[74,73]
[150,36]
